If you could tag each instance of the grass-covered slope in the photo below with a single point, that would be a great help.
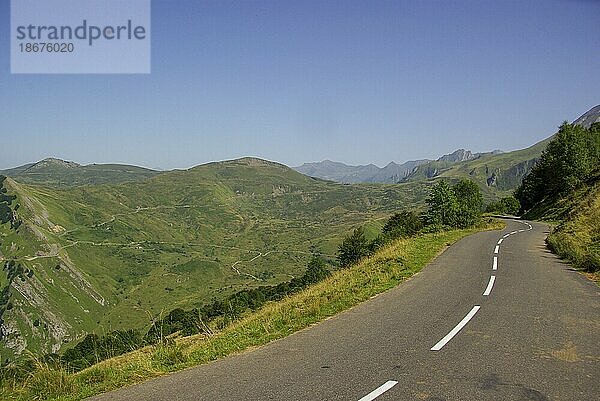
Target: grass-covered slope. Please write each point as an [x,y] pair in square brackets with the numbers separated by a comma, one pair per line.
[387,268]
[105,257]
[56,172]
[577,237]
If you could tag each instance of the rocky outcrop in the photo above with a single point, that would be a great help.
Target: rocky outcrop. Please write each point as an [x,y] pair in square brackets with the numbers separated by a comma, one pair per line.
[460,155]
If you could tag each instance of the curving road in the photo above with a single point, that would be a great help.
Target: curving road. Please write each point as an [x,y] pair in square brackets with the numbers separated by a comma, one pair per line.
[495,317]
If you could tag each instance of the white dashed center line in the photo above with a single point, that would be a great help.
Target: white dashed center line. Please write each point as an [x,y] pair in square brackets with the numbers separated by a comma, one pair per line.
[456,329]
[473,311]
[379,390]
[488,289]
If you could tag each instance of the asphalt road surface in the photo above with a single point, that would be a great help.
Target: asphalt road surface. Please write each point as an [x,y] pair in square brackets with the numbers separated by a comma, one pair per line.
[532,332]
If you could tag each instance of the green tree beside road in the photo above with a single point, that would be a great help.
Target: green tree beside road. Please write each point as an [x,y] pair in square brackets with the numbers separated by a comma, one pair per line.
[457,206]
[570,159]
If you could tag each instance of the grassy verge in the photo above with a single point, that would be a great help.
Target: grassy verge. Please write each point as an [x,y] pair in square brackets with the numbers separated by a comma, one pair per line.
[577,238]
[346,288]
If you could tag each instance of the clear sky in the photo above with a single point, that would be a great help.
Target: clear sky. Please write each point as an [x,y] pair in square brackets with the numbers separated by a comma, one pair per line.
[298,81]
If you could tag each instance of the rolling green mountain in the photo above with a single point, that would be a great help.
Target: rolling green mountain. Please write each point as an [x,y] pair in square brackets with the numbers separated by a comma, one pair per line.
[497,173]
[104,257]
[56,172]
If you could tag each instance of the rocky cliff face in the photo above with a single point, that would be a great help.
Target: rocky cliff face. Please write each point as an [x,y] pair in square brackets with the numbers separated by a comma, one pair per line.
[45,300]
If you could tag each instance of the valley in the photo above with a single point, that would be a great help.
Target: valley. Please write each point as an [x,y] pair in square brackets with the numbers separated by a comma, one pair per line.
[98,248]
[106,257]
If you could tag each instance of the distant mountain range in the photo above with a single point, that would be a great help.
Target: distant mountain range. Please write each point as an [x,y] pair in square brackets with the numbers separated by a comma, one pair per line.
[495,171]
[340,172]
[390,174]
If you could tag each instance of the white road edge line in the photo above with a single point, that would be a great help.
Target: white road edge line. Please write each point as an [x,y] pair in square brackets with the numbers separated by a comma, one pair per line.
[379,390]
[456,329]
[513,232]
[488,289]
[506,235]
[497,249]
[495,265]
[500,241]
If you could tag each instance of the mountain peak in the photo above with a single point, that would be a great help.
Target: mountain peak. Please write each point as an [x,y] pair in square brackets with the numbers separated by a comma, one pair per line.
[248,161]
[459,155]
[53,162]
[589,117]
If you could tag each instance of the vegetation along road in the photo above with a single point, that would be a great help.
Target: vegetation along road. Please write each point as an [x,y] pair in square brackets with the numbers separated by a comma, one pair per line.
[495,317]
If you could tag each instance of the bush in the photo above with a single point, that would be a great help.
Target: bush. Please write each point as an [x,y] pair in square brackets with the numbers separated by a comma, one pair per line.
[52,383]
[317,271]
[507,206]
[402,224]
[353,248]
[569,247]
[443,205]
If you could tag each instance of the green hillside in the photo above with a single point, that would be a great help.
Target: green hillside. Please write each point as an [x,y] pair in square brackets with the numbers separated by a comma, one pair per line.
[577,238]
[105,257]
[55,172]
[498,174]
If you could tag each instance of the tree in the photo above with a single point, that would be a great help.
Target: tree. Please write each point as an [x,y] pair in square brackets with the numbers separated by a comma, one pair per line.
[353,248]
[316,271]
[454,206]
[470,203]
[508,205]
[567,162]
[443,205]
[402,224]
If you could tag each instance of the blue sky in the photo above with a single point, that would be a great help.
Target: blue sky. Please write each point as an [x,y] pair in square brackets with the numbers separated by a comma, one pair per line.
[298,81]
